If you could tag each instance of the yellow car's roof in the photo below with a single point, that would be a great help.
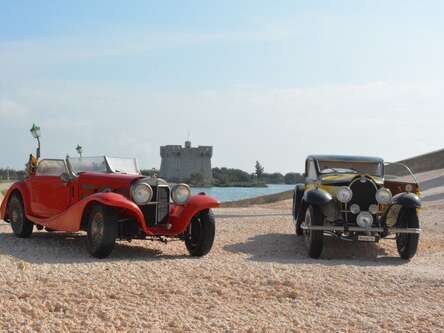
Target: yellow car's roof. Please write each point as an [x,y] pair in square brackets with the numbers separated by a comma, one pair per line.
[346,158]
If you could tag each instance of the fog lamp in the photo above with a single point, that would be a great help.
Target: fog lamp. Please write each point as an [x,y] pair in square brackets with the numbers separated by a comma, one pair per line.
[364,220]
[355,209]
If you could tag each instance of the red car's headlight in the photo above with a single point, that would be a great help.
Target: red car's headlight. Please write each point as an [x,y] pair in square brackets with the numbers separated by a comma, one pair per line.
[181,193]
[142,193]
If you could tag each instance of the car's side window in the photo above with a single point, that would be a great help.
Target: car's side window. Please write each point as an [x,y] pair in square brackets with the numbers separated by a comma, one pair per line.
[51,168]
[311,171]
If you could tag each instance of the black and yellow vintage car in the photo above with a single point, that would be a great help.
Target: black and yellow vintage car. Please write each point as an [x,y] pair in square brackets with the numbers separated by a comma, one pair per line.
[352,198]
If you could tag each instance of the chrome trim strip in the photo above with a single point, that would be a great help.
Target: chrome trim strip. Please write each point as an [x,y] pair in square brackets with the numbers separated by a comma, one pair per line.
[377,229]
[368,180]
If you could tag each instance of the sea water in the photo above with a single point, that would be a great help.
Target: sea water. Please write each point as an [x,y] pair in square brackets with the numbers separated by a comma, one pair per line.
[224,194]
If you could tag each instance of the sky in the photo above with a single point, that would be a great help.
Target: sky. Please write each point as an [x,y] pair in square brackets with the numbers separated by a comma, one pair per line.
[272,81]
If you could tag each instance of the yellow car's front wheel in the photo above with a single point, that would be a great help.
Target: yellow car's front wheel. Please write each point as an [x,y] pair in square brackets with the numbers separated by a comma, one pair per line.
[313,238]
[407,244]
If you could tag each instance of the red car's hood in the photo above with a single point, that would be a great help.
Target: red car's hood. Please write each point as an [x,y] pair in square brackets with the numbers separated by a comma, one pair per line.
[109,177]
[92,182]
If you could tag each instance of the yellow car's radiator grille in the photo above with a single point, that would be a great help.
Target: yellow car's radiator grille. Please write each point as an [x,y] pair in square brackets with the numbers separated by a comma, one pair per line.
[364,191]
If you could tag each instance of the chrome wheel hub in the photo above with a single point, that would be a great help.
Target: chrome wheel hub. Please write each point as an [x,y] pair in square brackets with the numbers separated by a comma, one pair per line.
[97,227]
[307,232]
[14,216]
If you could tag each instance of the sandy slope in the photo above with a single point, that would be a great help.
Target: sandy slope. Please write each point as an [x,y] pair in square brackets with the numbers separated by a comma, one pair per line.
[256,279]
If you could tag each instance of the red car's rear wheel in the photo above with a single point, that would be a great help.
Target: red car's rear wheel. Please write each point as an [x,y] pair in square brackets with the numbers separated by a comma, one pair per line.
[21,226]
[102,231]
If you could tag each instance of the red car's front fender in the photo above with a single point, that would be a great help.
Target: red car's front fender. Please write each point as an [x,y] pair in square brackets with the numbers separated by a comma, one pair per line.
[71,219]
[180,216]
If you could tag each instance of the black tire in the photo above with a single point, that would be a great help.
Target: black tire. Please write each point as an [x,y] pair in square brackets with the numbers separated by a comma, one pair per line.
[101,231]
[407,244]
[21,226]
[297,206]
[314,239]
[297,227]
[199,238]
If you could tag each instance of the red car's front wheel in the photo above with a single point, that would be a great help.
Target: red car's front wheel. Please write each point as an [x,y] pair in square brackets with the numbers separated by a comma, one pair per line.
[102,231]
[200,234]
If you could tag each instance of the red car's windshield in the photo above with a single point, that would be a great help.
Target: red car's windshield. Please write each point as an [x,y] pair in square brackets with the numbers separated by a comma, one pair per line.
[123,165]
[84,164]
[104,164]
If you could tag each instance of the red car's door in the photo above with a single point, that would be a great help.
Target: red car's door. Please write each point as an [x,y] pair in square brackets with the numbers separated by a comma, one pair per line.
[49,194]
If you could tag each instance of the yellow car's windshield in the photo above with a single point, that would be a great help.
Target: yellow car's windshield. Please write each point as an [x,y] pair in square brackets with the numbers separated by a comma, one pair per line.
[334,167]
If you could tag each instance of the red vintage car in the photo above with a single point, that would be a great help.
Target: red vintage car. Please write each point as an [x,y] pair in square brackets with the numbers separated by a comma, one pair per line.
[110,200]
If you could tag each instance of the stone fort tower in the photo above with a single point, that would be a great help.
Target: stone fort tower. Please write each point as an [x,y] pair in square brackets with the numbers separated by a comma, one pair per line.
[178,162]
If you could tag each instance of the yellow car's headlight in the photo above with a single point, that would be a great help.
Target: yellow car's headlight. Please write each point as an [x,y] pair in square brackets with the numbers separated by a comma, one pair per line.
[383,196]
[344,194]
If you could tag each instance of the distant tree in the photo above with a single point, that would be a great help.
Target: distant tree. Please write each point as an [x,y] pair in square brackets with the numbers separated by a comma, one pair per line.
[293,178]
[273,178]
[259,170]
[150,172]
[196,179]
[11,174]
[225,176]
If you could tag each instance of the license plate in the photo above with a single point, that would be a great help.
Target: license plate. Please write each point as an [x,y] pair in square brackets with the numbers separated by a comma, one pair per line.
[366,238]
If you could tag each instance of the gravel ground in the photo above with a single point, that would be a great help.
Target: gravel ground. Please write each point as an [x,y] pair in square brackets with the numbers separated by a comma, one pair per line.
[256,279]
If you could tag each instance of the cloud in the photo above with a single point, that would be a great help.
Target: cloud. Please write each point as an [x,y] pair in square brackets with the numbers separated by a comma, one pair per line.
[10,109]
[279,127]
[26,54]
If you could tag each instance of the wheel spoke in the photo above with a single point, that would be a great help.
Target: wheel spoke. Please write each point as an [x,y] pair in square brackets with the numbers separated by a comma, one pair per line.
[97,227]
[307,232]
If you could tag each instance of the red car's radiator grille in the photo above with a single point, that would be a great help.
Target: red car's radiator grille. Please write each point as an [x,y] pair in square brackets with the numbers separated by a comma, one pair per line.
[157,212]
[163,204]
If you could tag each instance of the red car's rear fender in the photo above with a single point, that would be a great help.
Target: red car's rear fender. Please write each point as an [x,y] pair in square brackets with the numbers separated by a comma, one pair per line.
[71,219]
[180,216]
[21,188]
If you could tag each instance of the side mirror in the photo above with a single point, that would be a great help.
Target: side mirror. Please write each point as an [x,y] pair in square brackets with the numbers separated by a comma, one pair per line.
[65,177]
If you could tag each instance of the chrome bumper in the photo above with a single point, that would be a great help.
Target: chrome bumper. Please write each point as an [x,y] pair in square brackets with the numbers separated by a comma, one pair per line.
[360,229]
